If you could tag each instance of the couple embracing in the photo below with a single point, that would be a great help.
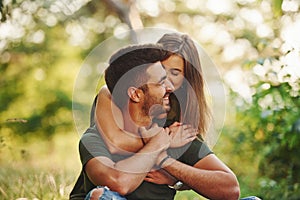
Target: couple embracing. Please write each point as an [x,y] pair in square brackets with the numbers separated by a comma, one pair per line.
[147,136]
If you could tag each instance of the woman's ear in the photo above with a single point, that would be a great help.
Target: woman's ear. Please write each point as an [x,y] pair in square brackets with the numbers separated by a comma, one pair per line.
[134,94]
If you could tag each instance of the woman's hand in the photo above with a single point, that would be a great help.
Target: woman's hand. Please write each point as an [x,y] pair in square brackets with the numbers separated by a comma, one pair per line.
[157,136]
[147,134]
[181,134]
[160,177]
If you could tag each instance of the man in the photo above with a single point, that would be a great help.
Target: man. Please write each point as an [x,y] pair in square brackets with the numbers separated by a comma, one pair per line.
[139,87]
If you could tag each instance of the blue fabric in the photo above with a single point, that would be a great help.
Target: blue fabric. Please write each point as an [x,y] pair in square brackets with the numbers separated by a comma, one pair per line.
[250,198]
[107,195]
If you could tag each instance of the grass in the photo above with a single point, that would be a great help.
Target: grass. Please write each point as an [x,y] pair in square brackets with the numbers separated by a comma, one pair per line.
[39,169]
[29,183]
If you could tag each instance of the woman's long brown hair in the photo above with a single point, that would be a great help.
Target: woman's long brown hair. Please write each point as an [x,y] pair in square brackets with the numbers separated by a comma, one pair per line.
[194,83]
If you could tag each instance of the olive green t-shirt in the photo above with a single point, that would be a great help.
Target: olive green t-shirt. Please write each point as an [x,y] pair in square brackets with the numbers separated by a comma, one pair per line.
[92,145]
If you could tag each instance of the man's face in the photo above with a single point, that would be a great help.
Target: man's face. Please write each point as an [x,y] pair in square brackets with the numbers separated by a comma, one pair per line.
[158,91]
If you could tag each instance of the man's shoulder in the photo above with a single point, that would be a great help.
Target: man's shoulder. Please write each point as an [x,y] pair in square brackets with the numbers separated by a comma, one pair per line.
[92,145]
[90,133]
[91,138]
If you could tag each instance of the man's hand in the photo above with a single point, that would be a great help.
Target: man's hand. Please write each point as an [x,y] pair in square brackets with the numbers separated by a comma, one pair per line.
[160,177]
[181,134]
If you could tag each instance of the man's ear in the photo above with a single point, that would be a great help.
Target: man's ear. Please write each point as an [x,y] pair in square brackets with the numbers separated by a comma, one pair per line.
[134,94]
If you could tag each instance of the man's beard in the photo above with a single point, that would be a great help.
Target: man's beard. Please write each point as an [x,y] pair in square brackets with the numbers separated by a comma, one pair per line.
[153,106]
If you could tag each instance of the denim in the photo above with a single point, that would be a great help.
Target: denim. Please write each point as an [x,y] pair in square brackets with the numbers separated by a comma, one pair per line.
[110,195]
[250,198]
[107,195]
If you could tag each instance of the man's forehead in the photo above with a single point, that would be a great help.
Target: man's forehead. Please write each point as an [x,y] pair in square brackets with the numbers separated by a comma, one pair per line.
[156,72]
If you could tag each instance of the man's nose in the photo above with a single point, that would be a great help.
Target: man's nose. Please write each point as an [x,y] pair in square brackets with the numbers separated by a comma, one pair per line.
[169,85]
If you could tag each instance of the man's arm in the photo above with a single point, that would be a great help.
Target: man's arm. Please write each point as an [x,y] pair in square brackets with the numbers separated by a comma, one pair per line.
[126,175]
[209,177]
[109,120]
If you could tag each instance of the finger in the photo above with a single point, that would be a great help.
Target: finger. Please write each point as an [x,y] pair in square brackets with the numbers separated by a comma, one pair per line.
[190,131]
[149,176]
[142,129]
[190,139]
[148,179]
[189,134]
[155,130]
[176,124]
[154,125]
[187,126]
[171,133]
[167,130]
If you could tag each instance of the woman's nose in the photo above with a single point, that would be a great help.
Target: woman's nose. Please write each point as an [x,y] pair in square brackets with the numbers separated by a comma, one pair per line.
[169,85]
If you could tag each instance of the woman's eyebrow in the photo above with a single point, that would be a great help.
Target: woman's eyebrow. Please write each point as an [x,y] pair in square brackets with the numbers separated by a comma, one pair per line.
[175,69]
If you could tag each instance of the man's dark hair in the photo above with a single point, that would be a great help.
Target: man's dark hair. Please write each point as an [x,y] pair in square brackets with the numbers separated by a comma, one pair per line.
[127,67]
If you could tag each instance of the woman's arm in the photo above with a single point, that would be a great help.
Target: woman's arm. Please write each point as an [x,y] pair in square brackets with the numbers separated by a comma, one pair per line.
[109,120]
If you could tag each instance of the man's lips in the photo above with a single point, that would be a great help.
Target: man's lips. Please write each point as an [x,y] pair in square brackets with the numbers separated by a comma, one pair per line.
[166,99]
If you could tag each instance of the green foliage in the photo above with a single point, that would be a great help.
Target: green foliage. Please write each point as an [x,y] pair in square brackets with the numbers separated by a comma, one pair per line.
[269,123]
[277,7]
[38,66]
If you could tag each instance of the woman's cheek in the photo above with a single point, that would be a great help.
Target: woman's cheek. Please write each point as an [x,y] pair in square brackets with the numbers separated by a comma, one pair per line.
[178,82]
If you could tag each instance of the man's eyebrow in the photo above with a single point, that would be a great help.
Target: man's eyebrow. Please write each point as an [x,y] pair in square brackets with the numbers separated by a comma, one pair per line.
[162,78]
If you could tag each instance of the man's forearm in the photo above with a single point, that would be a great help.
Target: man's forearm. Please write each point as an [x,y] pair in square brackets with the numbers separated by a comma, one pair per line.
[125,175]
[213,184]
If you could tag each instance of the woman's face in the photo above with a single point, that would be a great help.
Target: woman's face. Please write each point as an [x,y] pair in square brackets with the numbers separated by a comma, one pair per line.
[174,67]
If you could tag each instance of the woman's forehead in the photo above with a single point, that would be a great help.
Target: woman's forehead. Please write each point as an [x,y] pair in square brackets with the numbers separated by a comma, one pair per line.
[156,72]
[174,61]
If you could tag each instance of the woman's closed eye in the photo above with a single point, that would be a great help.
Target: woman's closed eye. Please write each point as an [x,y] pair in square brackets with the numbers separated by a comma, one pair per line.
[175,72]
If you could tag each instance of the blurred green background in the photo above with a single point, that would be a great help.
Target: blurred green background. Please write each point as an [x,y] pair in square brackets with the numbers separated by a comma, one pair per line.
[254,43]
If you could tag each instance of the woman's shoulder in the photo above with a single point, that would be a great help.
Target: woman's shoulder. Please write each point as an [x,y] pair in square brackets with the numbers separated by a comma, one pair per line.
[104,91]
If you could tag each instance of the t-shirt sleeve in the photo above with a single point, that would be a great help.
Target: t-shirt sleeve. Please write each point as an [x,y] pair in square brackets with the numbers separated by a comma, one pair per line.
[91,145]
[196,151]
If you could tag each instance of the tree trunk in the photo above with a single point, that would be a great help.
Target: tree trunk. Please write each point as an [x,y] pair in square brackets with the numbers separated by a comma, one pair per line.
[128,13]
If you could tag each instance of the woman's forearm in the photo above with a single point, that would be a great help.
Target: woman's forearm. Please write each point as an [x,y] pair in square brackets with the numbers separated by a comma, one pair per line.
[109,120]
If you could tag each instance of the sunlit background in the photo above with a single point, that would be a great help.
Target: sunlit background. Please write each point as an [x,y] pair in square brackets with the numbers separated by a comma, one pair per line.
[254,43]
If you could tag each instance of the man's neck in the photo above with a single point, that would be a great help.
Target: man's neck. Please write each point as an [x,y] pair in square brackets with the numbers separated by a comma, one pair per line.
[134,118]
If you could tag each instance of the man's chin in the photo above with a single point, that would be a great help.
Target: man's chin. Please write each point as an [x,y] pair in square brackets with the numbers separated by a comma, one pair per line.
[164,112]
[162,116]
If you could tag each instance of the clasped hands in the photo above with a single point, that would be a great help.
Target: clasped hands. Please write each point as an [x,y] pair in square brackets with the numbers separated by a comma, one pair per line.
[180,135]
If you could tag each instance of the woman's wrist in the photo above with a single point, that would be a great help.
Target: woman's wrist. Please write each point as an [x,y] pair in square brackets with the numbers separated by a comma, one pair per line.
[163,160]
[160,165]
